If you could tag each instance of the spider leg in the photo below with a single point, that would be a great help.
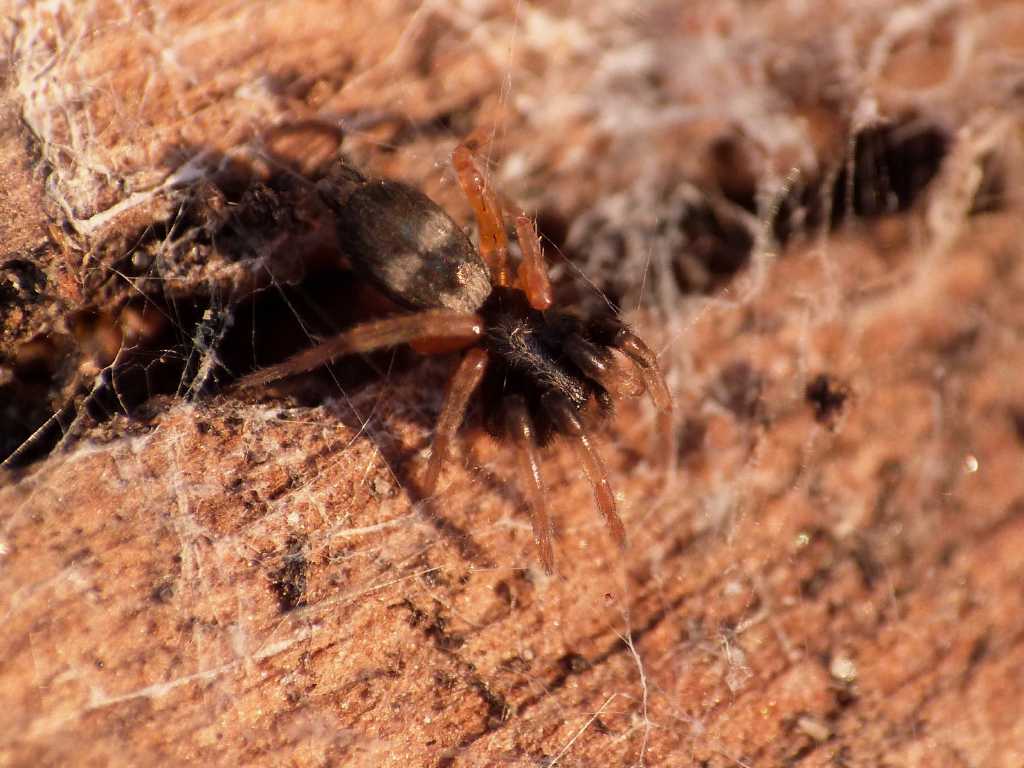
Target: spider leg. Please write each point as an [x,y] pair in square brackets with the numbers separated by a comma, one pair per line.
[520,427]
[569,423]
[532,274]
[603,368]
[460,387]
[389,332]
[493,240]
[647,363]
[490,210]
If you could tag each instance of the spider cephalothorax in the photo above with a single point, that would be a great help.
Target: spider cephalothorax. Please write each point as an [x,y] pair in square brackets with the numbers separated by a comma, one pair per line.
[545,355]
[538,370]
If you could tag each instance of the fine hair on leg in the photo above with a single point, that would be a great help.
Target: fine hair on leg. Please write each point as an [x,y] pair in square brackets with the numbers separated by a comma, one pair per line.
[461,386]
[367,337]
[493,240]
[520,428]
[647,363]
[532,274]
[601,366]
[570,424]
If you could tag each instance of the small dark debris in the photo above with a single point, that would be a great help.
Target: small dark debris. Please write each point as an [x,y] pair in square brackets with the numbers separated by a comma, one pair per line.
[289,581]
[435,628]
[812,586]
[945,556]
[717,248]
[691,437]
[515,664]
[845,697]
[573,664]
[21,283]
[434,577]
[416,615]
[445,681]
[738,388]
[162,592]
[958,348]
[1017,418]
[867,564]
[504,593]
[827,397]
[979,650]
[732,168]
[498,709]
[438,632]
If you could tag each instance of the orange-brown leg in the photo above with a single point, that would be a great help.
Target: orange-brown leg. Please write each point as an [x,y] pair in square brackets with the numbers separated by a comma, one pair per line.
[532,275]
[490,210]
[520,428]
[602,367]
[569,424]
[460,387]
[647,363]
[378,334]
[493,240]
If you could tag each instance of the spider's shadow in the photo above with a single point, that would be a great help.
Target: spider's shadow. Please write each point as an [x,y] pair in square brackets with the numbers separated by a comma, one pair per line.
[407,467]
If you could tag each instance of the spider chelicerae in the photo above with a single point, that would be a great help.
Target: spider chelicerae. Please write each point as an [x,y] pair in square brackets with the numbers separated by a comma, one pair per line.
[537,370]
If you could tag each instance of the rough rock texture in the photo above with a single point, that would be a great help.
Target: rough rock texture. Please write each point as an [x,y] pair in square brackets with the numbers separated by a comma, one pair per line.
[816,209]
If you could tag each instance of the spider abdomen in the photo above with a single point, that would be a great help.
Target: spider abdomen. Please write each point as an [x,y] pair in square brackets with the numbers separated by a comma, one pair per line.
[405,244]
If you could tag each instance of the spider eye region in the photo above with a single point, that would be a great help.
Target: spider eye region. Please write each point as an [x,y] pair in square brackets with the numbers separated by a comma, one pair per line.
[406,244]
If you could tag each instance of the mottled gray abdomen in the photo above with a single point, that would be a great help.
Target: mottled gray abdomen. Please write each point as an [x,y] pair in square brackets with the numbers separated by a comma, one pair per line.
[409,247]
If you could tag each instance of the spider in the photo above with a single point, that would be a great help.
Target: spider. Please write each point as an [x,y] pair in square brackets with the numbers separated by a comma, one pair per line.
[536,369]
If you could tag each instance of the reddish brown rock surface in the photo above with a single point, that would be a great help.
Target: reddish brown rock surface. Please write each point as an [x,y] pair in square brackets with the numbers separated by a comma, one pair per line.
[832,574]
